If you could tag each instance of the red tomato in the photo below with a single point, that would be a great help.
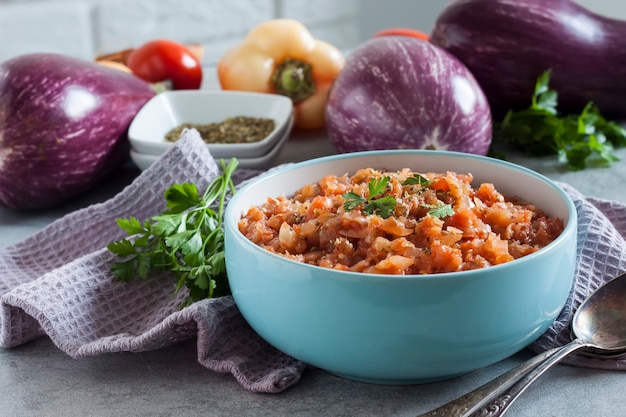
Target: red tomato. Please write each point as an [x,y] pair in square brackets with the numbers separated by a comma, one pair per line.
[402,32]
[164,60]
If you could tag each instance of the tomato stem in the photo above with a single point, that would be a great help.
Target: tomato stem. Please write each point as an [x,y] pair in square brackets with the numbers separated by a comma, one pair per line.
[294,78]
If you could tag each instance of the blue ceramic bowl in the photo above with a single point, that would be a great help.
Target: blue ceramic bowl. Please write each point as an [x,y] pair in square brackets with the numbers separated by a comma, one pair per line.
[401,329]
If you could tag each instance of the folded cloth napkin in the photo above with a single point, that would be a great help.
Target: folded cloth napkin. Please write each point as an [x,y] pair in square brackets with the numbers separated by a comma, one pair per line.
[58,283]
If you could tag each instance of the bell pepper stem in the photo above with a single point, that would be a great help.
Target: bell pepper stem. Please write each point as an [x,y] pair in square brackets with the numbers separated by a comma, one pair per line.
[294,78]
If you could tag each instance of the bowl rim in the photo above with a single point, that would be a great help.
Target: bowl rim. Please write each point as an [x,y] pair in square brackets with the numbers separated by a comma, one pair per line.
[570,227]
[280,123]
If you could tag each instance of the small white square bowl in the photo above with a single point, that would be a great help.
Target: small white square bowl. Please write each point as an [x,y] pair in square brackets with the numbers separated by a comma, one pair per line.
[144,160]
[171,109]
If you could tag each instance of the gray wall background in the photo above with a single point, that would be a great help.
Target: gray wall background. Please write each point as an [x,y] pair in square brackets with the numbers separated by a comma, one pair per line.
[86,28]
[375,15]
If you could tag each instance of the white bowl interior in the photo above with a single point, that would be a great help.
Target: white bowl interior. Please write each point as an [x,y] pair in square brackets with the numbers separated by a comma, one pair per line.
[170,109]
[510,180]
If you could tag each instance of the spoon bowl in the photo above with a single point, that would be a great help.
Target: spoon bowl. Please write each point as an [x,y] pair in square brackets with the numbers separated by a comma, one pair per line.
[601,319]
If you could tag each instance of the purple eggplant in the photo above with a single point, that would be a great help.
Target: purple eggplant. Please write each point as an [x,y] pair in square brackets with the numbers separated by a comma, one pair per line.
[404,93]
[63,124]
[507,44]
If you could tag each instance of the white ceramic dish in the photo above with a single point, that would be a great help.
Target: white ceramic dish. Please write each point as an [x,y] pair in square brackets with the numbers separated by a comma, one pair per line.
[170,109]
[144,160]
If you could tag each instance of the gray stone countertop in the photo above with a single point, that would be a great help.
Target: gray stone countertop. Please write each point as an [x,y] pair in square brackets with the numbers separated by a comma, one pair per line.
[38,379]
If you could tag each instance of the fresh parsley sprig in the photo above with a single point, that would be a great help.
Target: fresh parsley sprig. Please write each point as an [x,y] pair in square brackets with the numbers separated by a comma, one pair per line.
[540,130]
[377,202]
[436,210]
[439,210]
[384,205]
[417,179]
[186,239]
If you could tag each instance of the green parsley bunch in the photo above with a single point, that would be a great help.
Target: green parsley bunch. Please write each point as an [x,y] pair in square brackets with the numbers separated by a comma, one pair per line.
[577,139]
[186,239]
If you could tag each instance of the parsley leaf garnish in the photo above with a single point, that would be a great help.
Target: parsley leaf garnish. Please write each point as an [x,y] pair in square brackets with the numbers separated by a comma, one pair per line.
[377,203]
[439,210]
[417,179]
[384,206]
[352,201]
[186,239]
[540,130]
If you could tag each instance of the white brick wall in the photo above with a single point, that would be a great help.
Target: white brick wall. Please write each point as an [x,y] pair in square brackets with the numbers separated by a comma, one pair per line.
[85,28]
[63,26]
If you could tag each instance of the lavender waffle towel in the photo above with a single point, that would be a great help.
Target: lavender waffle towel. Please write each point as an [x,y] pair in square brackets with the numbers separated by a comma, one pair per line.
[57,283]
[601,256]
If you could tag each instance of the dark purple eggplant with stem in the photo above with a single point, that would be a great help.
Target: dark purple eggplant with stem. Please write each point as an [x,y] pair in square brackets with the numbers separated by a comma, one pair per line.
[508,44]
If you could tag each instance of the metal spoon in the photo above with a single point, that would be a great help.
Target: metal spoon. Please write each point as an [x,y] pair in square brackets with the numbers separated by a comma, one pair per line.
[598,326]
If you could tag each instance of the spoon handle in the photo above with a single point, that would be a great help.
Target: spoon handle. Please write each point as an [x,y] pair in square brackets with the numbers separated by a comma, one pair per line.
[467,404]
[500,405]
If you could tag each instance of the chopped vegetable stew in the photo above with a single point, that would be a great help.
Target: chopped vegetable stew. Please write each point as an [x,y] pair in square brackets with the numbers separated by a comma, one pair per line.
[399,223]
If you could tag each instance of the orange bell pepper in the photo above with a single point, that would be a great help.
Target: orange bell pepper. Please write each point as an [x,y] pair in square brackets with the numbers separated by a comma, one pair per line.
[281,56]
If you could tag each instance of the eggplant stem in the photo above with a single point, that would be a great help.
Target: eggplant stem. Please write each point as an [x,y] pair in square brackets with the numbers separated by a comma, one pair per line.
[294,78]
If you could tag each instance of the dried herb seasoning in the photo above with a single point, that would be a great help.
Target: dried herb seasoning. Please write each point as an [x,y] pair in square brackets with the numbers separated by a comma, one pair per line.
[238,129]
